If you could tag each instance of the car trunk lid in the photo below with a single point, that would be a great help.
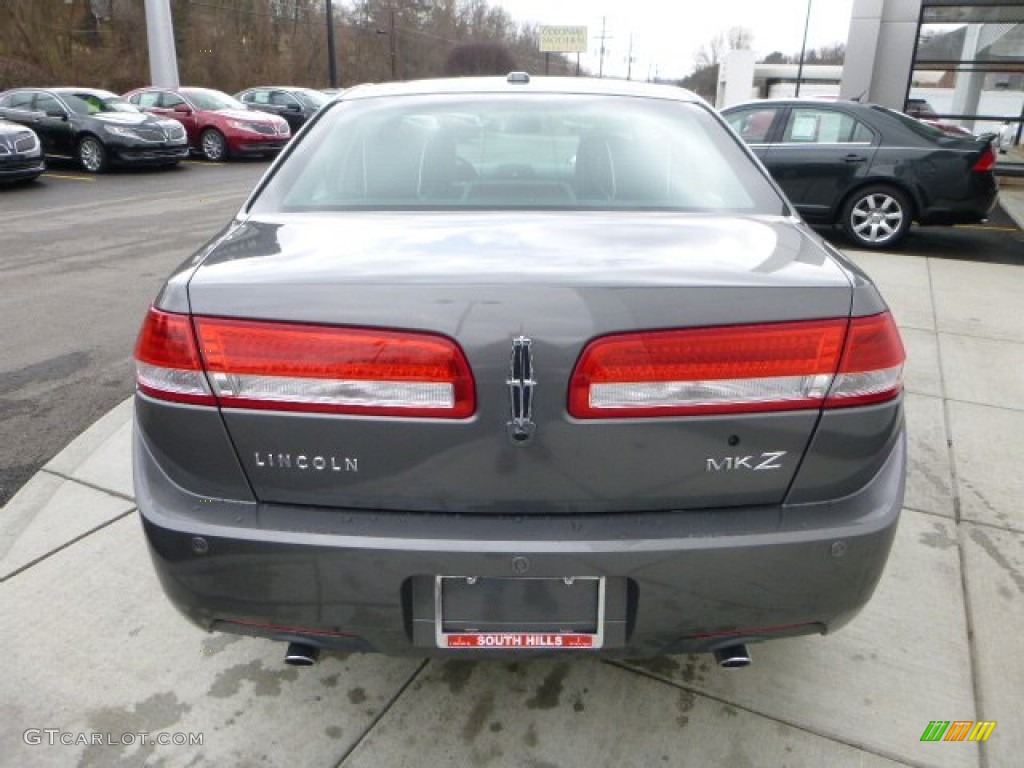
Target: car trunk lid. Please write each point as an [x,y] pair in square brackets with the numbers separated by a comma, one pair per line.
[491,282]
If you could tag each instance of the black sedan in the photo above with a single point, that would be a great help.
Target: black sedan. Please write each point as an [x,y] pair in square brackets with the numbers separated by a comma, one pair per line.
[21,155]
[514,366]
[869,169]
[94,127]
[296,105]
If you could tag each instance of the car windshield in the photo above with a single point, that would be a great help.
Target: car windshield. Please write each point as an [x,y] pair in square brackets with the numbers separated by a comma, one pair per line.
[539,151]
[204,99]
[311,98]
[85,103]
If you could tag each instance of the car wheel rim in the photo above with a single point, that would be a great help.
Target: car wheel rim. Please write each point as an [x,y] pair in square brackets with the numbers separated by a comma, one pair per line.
[876,218]
[90,155]
[213,147]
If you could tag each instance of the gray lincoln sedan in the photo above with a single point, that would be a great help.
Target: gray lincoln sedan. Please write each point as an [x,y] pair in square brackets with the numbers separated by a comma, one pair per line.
[494,367]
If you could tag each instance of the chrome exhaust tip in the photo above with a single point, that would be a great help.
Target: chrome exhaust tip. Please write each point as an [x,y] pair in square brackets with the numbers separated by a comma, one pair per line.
[733,657]
[301,655]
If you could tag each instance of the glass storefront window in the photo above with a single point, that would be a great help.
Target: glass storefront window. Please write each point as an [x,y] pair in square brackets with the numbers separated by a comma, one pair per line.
[969,68]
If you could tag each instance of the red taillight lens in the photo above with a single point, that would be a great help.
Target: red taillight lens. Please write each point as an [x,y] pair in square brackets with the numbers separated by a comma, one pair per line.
[167,362]
[731,369]
[285,366]
[872,366]
[987,161]
[293,367]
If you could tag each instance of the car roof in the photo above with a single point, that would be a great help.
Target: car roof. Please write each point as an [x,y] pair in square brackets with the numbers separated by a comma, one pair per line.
[849,104]
[278,88]
[177,89]
[532,85]
[70,89]
[59,89]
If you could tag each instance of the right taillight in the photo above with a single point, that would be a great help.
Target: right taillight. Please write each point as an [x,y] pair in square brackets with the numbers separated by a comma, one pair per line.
[302,367]
[987,161]
[871,369]
[736,369]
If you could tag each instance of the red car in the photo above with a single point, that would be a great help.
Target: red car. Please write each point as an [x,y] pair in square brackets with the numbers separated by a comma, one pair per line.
[218,125]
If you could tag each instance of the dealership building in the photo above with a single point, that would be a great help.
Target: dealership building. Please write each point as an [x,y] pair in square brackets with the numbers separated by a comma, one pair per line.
[962,59]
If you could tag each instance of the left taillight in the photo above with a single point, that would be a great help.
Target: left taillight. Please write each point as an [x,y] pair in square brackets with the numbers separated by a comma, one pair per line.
[167,362]
[739,369]
[301,367]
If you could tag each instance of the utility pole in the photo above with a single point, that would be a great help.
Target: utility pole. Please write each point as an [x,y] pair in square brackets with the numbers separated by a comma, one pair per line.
[803,50]
[602,38]
[163,61]
[332,64]
[629,59]
[394,45]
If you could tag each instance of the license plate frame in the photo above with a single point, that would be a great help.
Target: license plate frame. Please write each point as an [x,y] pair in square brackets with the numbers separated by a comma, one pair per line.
[517,639]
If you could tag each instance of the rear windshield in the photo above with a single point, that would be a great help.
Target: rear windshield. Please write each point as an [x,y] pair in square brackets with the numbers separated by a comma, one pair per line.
[923,130]
[534,151]
[311,98]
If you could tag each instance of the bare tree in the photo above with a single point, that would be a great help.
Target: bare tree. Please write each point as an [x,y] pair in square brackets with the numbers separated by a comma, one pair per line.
[479,59]
[232,44]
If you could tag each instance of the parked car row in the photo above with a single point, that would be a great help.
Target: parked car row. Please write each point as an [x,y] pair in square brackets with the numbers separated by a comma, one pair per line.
[148,126]
[218,125]
[94,127]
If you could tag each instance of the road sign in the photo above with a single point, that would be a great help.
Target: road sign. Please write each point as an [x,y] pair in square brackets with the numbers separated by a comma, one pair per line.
[563,39]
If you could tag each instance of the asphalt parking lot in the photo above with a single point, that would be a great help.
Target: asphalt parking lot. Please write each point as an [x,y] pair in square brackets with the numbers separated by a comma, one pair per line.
[94,655]
[82,258]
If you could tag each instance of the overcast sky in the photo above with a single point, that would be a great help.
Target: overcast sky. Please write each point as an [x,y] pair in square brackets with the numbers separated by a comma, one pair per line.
[668,33]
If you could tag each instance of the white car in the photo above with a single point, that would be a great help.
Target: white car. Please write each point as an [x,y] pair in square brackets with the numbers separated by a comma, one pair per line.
[1008,137]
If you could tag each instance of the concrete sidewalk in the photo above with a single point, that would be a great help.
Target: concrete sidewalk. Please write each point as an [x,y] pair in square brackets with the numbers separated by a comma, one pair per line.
[93,650]
[1011,198]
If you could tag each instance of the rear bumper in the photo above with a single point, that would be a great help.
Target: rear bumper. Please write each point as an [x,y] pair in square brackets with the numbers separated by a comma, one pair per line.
[677,581]
[975,205]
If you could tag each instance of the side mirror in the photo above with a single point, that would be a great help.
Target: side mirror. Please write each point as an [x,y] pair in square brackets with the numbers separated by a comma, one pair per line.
[183,109]
[294,108]
[60,114]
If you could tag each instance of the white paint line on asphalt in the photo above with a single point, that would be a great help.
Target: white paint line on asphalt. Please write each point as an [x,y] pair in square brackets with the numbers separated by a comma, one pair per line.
[69,178]
[990,229]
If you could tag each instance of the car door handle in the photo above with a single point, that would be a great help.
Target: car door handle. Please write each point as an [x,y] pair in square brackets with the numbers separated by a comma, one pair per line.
[854,158]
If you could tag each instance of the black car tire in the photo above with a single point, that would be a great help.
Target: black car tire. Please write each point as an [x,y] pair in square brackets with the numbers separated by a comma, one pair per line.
[213,145]
[91,154]
[878,216]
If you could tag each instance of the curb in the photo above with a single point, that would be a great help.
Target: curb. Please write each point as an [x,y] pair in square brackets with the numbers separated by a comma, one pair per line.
[75,453]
